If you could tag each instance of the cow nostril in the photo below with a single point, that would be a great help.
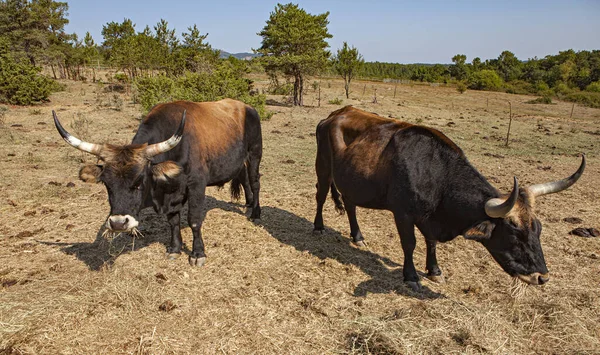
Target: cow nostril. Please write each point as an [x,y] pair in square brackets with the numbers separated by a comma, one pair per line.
[542,279]
[126,221]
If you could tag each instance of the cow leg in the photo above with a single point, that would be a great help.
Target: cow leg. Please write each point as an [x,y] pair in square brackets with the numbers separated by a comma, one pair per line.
[254,179]
[196,214]
[246,185]
[322,190]
[357,236]
[406,229]
[174,249]
[433,270]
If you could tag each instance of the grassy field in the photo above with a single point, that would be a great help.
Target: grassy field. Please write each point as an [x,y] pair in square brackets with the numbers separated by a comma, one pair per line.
[275,288]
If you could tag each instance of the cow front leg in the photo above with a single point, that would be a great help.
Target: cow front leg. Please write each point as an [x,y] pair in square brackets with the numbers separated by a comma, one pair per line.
[174,248]
[355,232]
[434,273]
[196,214]
[406,229]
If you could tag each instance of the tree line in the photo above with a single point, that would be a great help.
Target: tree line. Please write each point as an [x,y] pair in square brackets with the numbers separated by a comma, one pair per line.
[162,64]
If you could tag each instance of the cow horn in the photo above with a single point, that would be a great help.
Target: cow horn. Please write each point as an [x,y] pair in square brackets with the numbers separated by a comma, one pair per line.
[557,186]
[74,141]
[498,208]
[169,144]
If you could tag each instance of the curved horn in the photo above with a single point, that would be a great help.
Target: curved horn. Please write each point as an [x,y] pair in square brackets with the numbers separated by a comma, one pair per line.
[498,208]
[557,186]
[76,142]
[169,144]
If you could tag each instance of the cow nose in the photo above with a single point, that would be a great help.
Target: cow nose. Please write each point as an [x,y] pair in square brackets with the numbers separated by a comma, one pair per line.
[118,224]
[542,279]
[121,223]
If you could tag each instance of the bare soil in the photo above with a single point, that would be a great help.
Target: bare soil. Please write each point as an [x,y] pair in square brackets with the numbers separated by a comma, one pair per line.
[276,287]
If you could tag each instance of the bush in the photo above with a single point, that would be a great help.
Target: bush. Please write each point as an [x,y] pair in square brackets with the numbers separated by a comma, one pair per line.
[461,87]
[562,89]
[225,82]
[21,83]
[593,87]
[541,100]
[519,87]
[586,98]
[541,87]
[485,80]
[336,101]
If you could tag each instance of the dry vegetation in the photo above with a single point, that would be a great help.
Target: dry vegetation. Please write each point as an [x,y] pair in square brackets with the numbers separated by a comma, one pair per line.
[275,287]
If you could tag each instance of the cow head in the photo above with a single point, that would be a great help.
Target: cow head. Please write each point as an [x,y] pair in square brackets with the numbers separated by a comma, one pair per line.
[512,231]
[127,172]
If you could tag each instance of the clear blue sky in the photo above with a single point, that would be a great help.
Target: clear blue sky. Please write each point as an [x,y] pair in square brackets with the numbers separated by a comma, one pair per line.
[386,31]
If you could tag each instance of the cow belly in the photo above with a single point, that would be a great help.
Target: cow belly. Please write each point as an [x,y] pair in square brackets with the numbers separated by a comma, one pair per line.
[226,167]
[360,190]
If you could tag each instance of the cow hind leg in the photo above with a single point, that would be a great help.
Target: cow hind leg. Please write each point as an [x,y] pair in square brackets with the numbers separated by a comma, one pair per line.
[322,190]
[434,273]
[355,232]
[254,181]
[196,214]
[242,181]
[406,229]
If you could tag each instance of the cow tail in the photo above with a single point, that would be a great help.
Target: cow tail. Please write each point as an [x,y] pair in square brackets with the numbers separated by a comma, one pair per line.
[335,196]
[235,189]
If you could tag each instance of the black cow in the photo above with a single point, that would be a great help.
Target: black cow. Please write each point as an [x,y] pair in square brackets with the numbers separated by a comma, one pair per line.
[216,142]
[425,180]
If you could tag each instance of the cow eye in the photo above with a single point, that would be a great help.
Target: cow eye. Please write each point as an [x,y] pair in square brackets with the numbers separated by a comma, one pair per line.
[137,184]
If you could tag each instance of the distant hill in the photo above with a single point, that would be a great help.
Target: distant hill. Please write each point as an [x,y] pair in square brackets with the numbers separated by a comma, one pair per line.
[244,55]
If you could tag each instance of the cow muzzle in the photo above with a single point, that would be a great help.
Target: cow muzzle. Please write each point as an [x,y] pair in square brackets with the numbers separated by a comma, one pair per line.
[121,223]
[534,279]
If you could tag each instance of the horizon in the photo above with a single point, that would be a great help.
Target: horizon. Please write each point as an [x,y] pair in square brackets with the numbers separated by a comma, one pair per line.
[437,30]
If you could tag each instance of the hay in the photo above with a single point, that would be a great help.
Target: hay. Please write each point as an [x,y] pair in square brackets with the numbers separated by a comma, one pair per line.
[65,287]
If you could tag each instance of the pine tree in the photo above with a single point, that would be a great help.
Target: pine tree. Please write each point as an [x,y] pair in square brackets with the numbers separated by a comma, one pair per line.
[347,63]
[294,42]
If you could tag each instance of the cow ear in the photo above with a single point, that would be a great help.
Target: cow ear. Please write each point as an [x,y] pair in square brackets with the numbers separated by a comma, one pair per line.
[481,231]
[90,173]
[165,170]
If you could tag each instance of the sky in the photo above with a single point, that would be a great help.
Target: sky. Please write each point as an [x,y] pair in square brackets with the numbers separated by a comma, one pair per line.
[386,31]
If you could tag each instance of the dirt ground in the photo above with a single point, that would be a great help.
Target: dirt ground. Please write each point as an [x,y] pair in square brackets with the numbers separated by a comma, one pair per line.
[275,288]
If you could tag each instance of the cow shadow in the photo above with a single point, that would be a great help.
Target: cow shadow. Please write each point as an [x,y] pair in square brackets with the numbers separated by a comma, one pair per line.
[284,226]
[288,228]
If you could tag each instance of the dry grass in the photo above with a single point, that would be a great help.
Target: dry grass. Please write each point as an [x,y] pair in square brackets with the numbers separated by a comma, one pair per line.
[276,287]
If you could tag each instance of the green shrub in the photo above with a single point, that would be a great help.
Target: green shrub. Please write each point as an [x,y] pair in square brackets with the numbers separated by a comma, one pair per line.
[461,87]
[586,98]
[226,81]
[336,101]
[593,87]
[21,83]
[485,80]
[561,89]
[541,87]
[540,100]
[519,87]
[121,77]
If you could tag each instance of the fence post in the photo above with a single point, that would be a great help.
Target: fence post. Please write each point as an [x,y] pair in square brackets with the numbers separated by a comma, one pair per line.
[572,108]
[509,122]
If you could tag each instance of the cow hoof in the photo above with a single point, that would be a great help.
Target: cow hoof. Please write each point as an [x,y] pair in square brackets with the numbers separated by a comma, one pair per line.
[437,278]
[318,231]
[197,261]
[173,256]
[414,285]
[257,221]
[361,244]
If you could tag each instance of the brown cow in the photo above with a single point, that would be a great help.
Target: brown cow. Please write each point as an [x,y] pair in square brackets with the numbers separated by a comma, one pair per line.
[425,180]
[216,142]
